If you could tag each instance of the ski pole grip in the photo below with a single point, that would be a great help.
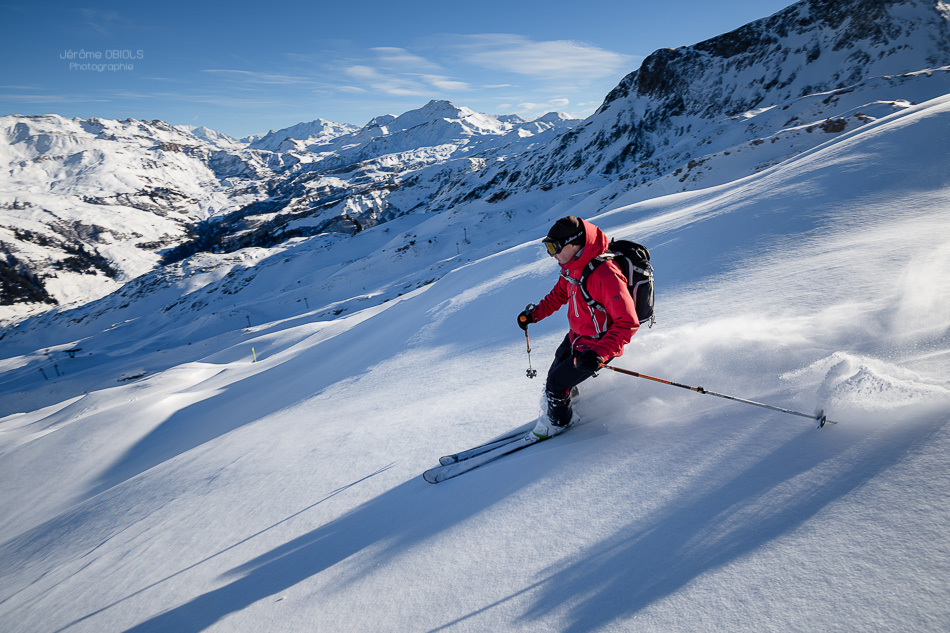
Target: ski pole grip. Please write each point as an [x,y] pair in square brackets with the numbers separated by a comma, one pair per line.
[525,317]
[528,309]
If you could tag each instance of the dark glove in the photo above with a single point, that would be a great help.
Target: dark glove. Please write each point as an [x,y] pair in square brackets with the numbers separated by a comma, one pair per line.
[588,361]
[524,319]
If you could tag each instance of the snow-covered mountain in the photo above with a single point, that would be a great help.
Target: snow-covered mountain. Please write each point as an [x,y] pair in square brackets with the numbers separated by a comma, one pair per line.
[88,204]
[297,138]
[213,137]
[126,194]
[388,168]
[778,86]
[233,441]
[668,112]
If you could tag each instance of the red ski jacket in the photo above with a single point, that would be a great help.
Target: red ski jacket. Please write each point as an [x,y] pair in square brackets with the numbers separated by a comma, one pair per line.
[604,332]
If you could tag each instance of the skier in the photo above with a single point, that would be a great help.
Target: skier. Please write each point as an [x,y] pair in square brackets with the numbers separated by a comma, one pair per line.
[595,336]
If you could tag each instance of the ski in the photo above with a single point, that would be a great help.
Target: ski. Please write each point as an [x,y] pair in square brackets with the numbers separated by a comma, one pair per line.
[454,469]
[507,438]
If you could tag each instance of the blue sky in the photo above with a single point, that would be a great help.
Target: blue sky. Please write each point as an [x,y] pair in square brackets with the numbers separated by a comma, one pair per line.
[248,67]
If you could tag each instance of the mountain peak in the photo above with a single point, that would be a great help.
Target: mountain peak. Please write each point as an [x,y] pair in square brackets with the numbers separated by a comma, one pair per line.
[554,117]
[311,132]
[435,110]
[442,107]
[381,120]
[810,47]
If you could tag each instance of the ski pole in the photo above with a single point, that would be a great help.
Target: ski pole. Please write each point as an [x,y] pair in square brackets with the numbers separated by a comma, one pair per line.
[819,417]
[530,372]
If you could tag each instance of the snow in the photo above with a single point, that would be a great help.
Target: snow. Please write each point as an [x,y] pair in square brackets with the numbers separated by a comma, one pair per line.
[238,445]
[315,132]
[128,190]
[113,186]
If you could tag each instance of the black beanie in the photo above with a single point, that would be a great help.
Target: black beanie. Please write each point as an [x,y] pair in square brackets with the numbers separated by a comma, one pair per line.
[569,230]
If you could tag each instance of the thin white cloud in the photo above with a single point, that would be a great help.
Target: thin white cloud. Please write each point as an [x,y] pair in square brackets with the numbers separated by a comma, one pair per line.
[261,78]
[400,87]
[517,69]
[362,72]
[399,72]
[390,79]
[390,83]
[50,98]
[530,109]
[555,58]
[400,90]
[218,98]
[393,57]
[446,83]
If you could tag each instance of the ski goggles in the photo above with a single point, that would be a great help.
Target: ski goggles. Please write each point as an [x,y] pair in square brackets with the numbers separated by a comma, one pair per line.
[554,246]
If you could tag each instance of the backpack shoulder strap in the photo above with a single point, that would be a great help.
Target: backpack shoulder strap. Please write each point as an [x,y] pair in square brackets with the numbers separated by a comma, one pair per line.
[591,266]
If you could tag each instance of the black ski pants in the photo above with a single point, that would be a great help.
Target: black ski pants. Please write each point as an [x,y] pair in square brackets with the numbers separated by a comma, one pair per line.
[563,376]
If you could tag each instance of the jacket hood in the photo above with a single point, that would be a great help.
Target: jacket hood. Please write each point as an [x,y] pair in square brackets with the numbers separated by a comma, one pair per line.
[595,244]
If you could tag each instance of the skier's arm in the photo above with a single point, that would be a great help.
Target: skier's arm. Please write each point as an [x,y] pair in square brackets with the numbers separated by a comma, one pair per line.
[552,302]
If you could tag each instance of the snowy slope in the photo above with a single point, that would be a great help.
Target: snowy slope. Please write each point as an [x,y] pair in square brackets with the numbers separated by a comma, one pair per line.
[167,481]
[234,441]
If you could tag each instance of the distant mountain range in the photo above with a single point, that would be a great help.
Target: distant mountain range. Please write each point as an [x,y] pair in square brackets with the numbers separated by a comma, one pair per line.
[88,204]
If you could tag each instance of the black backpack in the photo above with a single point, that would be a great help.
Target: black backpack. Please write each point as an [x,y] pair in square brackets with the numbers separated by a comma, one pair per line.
[634,262]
